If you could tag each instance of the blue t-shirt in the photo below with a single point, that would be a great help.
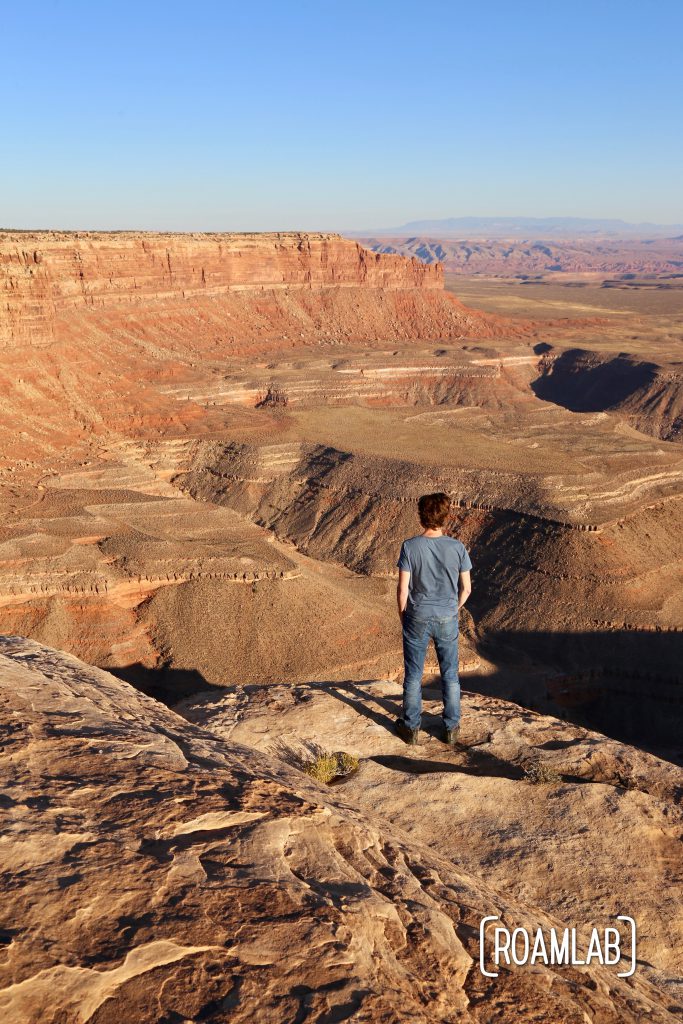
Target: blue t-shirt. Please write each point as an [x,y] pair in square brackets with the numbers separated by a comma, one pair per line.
[434,564]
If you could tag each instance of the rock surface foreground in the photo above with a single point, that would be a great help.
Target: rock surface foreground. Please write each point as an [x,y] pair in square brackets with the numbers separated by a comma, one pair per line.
[153,872]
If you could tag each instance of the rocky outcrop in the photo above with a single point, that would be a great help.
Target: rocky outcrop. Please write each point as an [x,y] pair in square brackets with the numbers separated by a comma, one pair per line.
[46,275]
[537,805]
[153,872]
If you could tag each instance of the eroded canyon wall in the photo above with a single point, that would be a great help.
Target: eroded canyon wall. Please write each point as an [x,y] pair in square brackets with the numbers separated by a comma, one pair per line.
[46,276]
[648,395]
[93,323]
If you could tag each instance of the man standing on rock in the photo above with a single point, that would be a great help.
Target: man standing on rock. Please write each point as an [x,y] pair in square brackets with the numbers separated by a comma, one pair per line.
[433,585]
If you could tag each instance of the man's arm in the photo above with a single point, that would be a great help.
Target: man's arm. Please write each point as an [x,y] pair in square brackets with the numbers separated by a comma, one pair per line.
[402,591]
[464,587]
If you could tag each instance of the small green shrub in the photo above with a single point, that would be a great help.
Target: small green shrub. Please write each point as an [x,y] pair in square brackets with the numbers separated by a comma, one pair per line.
[326,767]
[539,773]
[348,762]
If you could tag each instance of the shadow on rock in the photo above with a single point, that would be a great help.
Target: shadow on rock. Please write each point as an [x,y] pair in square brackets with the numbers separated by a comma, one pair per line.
[625,683]
[480,764]
[165,684]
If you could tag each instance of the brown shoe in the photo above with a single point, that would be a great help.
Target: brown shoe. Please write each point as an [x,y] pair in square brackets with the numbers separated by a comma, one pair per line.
[452,736]
[406,734]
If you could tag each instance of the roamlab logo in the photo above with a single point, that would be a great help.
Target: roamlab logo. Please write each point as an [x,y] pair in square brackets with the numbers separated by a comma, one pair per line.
[605,946]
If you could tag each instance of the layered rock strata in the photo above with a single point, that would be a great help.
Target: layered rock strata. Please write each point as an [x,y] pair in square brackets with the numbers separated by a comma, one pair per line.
[46,275]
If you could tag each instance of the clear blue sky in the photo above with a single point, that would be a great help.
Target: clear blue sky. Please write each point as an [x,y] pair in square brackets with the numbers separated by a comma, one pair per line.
[338,114]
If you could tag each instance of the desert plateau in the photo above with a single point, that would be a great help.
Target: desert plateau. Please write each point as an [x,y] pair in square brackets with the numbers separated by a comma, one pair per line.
[211,449]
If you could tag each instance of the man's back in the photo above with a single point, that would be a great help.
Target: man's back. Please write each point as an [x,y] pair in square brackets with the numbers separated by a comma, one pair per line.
[433,585]
[434,564]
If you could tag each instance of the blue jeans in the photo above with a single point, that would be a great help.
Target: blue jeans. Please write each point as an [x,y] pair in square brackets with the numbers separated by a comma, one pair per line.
[416,634]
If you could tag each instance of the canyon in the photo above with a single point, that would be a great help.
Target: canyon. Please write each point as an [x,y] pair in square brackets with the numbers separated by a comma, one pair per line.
[211,448]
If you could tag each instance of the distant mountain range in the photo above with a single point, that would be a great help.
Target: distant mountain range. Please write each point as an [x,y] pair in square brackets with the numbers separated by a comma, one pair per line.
[509,257]
[523,228]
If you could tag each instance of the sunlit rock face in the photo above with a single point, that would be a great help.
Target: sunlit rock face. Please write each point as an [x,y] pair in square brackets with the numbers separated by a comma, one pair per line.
[153,871]
[46,275]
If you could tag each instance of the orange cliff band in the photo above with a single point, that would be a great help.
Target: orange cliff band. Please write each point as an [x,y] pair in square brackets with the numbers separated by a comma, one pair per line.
[46,274]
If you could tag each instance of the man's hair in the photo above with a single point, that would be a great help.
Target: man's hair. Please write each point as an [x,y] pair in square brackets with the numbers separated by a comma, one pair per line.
[434,510]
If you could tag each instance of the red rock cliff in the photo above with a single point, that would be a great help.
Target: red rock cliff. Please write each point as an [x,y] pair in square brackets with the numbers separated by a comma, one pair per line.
[45,276]
[90,323]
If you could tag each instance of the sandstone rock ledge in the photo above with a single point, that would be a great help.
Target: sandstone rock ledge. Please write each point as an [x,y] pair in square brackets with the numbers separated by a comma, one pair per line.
[154,873]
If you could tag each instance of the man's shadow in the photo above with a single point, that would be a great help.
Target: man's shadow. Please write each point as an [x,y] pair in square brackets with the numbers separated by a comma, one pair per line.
[384,713]
[355,696]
